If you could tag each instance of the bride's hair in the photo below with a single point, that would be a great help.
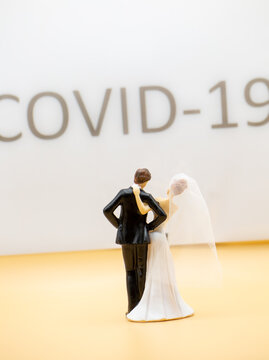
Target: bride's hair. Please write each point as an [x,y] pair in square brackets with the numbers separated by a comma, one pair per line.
[178,186]
[141,176]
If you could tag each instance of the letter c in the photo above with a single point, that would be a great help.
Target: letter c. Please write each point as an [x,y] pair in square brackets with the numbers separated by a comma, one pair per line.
[16,137]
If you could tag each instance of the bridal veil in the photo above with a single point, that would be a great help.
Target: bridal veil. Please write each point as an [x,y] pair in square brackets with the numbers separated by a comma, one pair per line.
[189,227]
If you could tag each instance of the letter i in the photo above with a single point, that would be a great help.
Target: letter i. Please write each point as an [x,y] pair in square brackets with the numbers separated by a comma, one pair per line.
[124,111]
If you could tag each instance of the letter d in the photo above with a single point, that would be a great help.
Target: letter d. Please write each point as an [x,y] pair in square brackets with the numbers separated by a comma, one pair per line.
[172,102]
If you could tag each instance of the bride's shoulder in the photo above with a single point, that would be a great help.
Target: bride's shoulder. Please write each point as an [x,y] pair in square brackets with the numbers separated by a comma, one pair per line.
[162,201]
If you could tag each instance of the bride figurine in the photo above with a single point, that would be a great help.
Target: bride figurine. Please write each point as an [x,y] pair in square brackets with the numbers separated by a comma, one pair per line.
[161,299]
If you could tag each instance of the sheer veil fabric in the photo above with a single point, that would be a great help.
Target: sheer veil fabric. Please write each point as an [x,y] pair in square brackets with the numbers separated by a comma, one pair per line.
[189,226]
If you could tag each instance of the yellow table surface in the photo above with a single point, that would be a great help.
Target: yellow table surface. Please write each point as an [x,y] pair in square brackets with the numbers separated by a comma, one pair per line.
[71,306]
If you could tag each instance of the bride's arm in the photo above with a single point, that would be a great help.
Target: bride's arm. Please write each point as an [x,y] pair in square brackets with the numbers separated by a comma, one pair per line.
[165,204]
[143,208]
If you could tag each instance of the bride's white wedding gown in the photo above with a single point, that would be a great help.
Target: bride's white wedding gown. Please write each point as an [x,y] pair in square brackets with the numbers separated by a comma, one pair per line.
[161,299]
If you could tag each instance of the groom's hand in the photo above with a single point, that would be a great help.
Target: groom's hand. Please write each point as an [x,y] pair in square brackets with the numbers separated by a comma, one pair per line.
[159,212]
[111,207]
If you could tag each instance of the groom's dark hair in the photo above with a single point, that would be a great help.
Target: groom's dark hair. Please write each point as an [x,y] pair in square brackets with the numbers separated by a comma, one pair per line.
[141,176]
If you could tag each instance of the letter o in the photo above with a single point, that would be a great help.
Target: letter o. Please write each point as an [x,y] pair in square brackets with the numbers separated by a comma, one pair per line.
[30,115]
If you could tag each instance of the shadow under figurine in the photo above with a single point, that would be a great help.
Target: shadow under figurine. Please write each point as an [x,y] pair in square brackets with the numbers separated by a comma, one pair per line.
[133,233]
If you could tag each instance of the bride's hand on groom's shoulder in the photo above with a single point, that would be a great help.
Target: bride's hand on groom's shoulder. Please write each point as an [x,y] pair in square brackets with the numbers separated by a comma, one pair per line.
[136,189]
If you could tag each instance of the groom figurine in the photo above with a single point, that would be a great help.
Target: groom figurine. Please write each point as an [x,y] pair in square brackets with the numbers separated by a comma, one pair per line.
[133,233]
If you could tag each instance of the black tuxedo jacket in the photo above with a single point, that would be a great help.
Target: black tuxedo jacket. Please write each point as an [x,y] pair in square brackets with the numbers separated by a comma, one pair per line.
[132,226]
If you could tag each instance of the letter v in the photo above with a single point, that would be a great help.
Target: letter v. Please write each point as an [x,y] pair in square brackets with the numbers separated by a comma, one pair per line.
[94,131]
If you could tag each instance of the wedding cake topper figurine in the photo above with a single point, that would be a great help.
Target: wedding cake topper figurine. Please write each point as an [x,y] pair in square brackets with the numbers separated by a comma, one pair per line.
[151,283]
[133,233]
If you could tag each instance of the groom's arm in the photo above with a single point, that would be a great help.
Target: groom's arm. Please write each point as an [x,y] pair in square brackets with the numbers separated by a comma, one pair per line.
[111,207]
[160,214]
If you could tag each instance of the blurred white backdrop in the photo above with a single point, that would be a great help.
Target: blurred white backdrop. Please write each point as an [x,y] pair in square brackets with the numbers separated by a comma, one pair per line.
[53,190]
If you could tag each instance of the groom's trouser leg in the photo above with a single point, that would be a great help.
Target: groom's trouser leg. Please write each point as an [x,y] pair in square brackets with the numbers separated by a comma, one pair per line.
[142,253]
[129,257]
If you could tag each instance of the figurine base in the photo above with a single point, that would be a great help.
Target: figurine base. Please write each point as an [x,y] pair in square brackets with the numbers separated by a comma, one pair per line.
[160,320]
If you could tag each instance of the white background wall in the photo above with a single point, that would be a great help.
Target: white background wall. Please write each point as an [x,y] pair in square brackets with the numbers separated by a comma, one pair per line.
[53,191]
